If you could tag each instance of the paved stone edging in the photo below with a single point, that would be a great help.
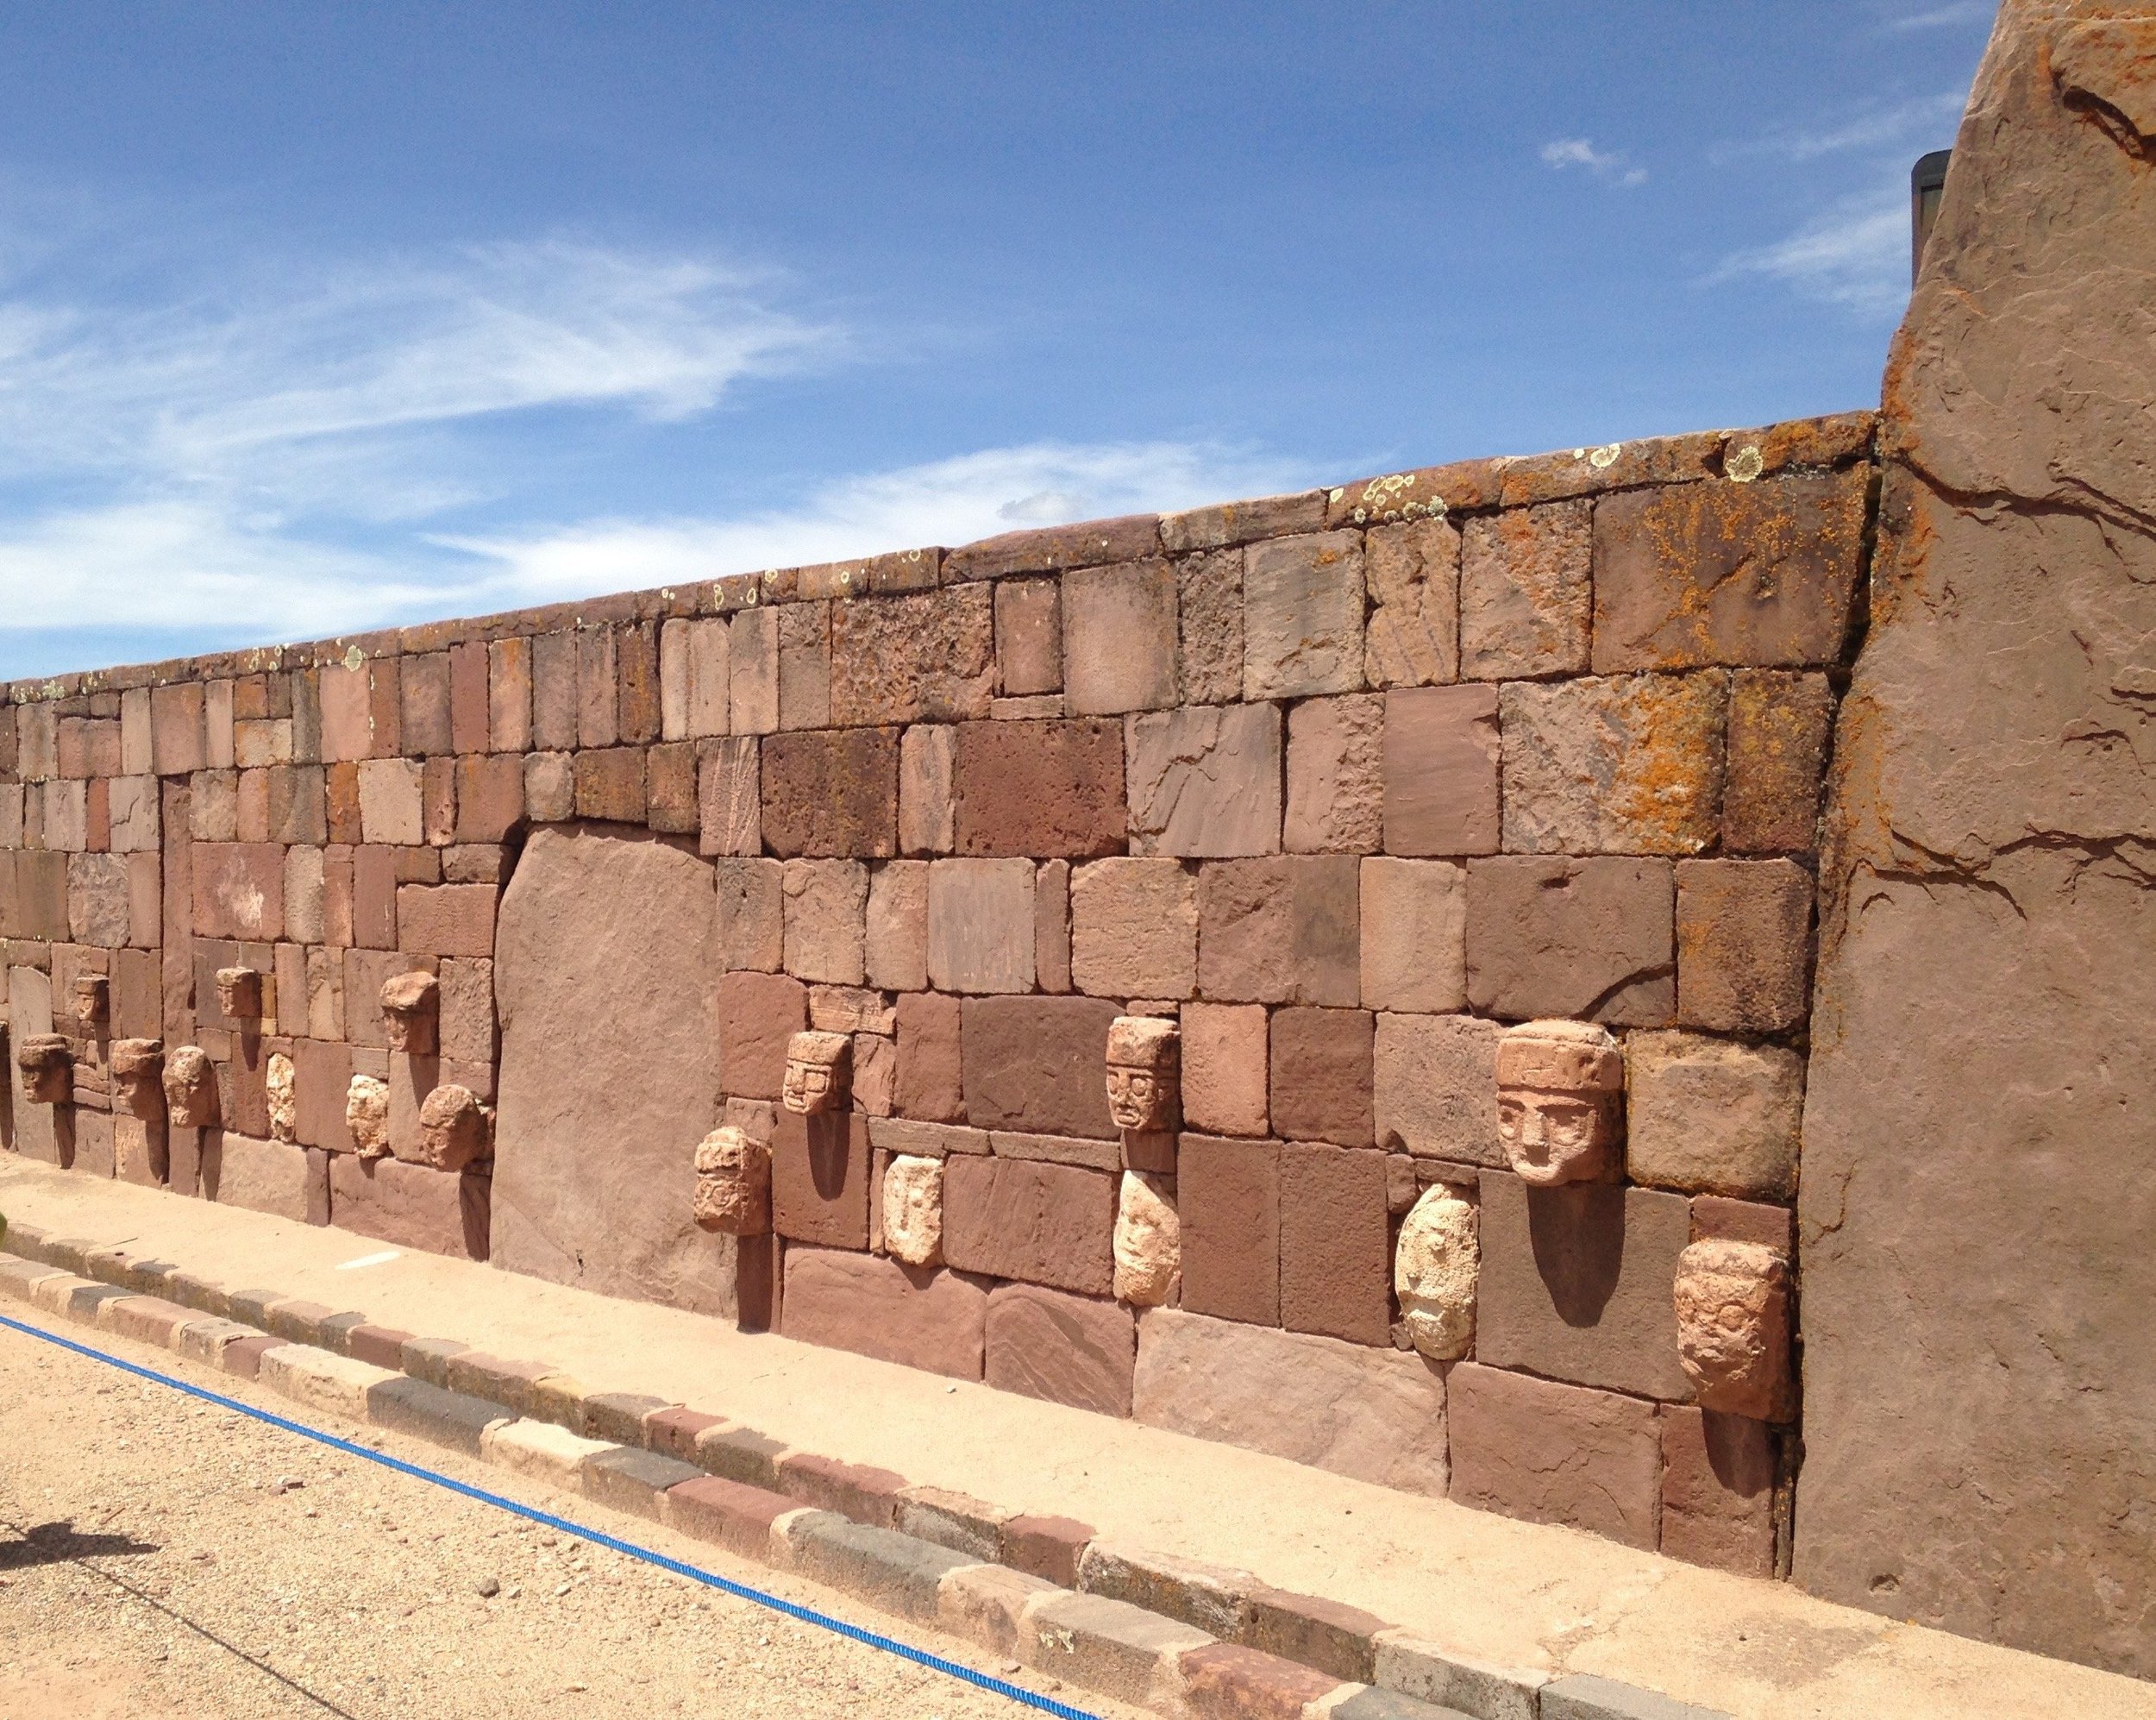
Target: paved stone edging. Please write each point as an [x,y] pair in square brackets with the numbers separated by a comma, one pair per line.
[1169,1633]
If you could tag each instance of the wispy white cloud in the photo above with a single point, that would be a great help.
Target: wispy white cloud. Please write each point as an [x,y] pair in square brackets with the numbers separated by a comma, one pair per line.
[1873,130]
[1612,168]
[1949,16]
[1856,253]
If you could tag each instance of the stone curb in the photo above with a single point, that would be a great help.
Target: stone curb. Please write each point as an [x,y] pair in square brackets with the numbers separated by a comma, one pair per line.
[1169,1634]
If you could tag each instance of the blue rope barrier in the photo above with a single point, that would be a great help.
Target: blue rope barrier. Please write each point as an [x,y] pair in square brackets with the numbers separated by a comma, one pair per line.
[806,1614]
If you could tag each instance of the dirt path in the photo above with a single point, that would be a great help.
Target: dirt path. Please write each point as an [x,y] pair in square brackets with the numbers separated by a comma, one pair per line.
[157,1560]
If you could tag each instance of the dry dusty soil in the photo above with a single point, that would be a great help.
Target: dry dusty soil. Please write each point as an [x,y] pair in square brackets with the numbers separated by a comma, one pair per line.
[160,1558]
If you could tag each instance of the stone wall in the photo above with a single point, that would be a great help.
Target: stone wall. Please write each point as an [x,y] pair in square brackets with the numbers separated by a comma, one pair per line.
[1340,784]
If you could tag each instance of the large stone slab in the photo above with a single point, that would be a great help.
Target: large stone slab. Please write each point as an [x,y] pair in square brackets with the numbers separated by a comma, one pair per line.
[607,969]
[1375,1414]
[923,1317]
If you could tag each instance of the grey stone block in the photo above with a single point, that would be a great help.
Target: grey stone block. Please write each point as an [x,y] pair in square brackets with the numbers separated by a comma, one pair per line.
[1582,1696]
[636,1481]
[429,1412]
[899,1573]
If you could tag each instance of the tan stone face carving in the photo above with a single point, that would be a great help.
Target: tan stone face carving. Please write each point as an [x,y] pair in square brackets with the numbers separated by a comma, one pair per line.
[47,1063]
[191,1086]
[733,1183]
[284,1103]
[93,1000]
[1732,1328]
[411,1011]
[1435,1270]
[913,1210]
[240,994]
[1558,1083]
[1149,1249]
[455,1129]
[138,1077]
[818,1072]
[366,1114]
[1145,1073]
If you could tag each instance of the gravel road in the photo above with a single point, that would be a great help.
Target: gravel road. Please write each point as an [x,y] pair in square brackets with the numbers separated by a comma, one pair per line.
[162,1559]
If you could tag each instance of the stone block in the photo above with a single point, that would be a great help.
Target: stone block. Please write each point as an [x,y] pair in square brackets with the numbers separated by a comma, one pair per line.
[670,785]
[179,734]
[695,678]
[239,890]
[819,1178]
[1424,1672]
[1223,524]
[1440,770]
[1627,765]
[1412,569]
[1744,945]
[1335,775]
[930,656]
[1547,1452]
[1052,925]
[1227,1195]
[805,664]
[1414,934]
[927,760]
[1214,1598]
[727,1514]
[1112,1647]
[1322,1075]
[1582,1696]
[1042,1223]
[1781,723]
[1046,789]
[635,1481]
[1576,1284]
[1718,1491]
[1718,1218]
[509,695]
[980,926]
[1209,601]
[1335,1249]
[424,683]
[550,787]
[730,807]
[597,688]
[859,1491]
[323,1078]
[263,1176]
[1036,1065]
[133,807]
[1224,1068]
[1227,1681]
[1029,636]
[1759,573]
[1093,543]
[1134,928]
[1435,1087]
[445,920]
[97,899]
[1376,1414]
[758,1013]
[825,919]
[1550,936]
[751,914]
[1302,616]
[1205,781]
[753,670]
[1526,592]
[897,944]
[832,793]
[930,1082]
[414,1206]
[893,1572]
[1711,1115]
[609,785]
[1068,1349]
[390,809]
[986,1603]
[1119,639]
[1285,930]
[1313,1631]
[921,1317]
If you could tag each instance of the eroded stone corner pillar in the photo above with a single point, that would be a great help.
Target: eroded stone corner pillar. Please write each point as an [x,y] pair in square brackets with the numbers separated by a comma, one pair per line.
[1978,1207]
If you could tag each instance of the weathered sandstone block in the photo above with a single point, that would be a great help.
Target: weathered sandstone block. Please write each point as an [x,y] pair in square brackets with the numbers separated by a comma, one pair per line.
[930,654]
[1134,928]
[1119,638]
[1436,1087]
[1321,1075]
[1526,580]
[1549,935]
[1032,1064]
[1712,1115]
[1732,1328]
[1046,789]
[1551,1453]
[981,930]
[1744,945]
[1225,1067]
[913,1210]
[1780,722]
[1336,799]
[1627,765]
[1302,616]
[1414,934]
[1280,930]
[1436,1264]
[1440,764]
[411,1013]
[1205,781]
[1414,571]
[831,792]
[1148,1242]
[1070,1349]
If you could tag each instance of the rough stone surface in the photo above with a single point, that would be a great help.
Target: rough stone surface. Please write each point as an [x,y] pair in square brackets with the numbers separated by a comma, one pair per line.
[1780,722]
[729,797]
[1377,1414]
[1576,1284]
[1436,1264]
[1280,930]
[1440,770]
[1029,636]
[1524,591]
[1224,1068]
[1632,764]
[1734,1329]
[901,659]
[1335,775]
[1758,572]
[832,793]
[1228,1199]
[1550,936]
[922,1318]
[912,1210]
[1335,1258]
[1435,1087]
[1321,1074]
[820,1171]
[1414,934]
[409,1205]
[980,926]
[1209,588]
[896,950]
[1046,789]
[1744,954]
[1712,1115]
[1046,1224]
[606,976]
[758,1014]
[1412,569]
[1718,1491]
[751,914]
[1555,1453]
[1148,1243]
[930,1082]
[1068,1349]
[1119,638]
[1134,928]
[825,919]
[1302,616]
[1034,1064]
[1205,781]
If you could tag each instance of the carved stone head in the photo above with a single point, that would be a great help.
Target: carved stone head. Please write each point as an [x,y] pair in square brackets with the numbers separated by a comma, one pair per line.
[240,994]
[93,1000]
[47,1063]
[733,1183]
[818,1072]
[411,1011]
[455,1129]
[1559,1087]
[1732,1328]
[1436,1269]
[366,1114]
[1149,1250]
[284,1098]
[913,1209]
[191,1086]
[138,1077]
[1145,1073]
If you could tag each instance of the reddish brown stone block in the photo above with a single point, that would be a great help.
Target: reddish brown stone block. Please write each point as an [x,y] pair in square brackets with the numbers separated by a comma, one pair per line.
[1224,1068]
[345,824]
[1037,1065]
[906,659]
[446,919]
[1718,1218]
[859,1490]
[321,1076]
[1429,492]
[423,710]
[374,897]
[1046,1224]
[1718,1491]
[1335,1252]
[609,785]
[1322,1075]
[178,737]
[670,786]
[413,1206]
[239,890]
[1625,465]
[832,793]
[1551,1453]
[489,795]
[931,1075]
[1226,1681]
[1029,636]
[468,720]
[1228,1195]
[919,1317]
[1440,770]
[636,659]
[1068,1349]
[1313,1631]
[1550,935]
[509,695]
[1524,591]
[598,689]
[1048,1548]
[1725,573]
[1050,789]
[1780,724]
[728,1514]
[1092,544]
[758,1013]
[1283,930]
[819,1178]
[1744,945]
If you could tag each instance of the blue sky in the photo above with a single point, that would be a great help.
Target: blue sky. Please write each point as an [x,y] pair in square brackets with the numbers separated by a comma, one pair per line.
[315,318]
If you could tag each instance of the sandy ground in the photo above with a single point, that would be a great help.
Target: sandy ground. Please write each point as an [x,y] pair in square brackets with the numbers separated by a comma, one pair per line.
[162,1558]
